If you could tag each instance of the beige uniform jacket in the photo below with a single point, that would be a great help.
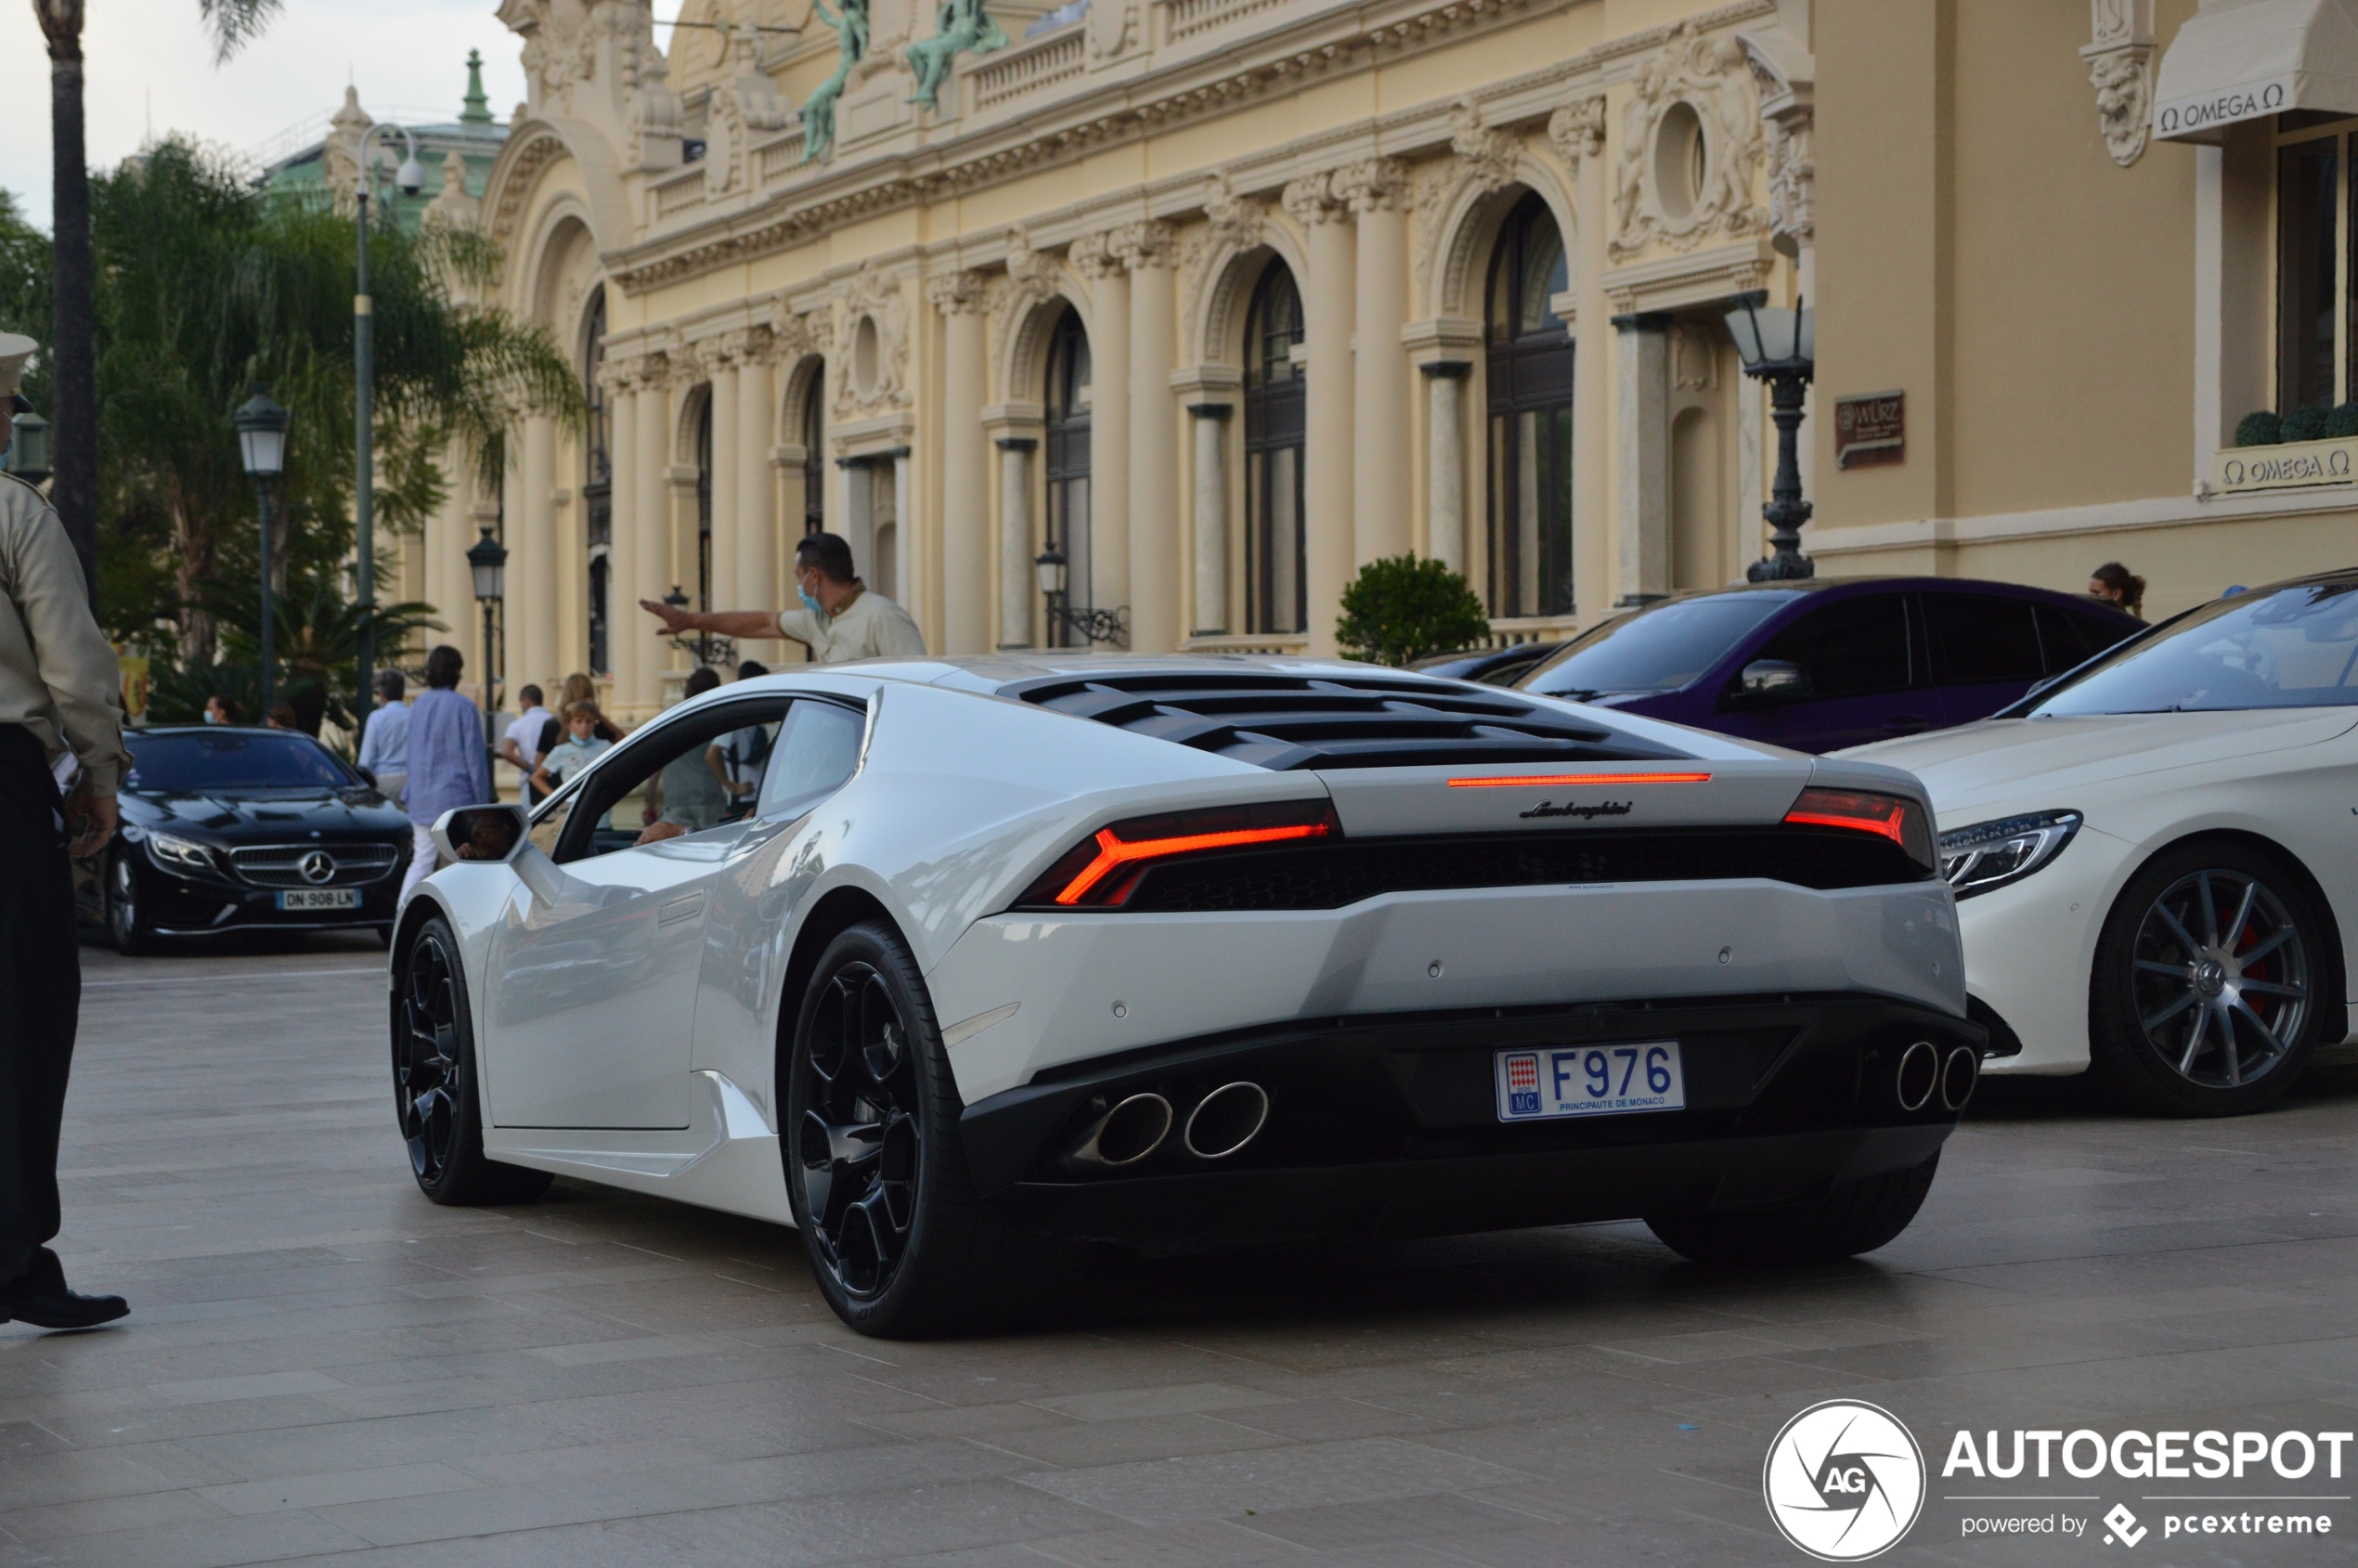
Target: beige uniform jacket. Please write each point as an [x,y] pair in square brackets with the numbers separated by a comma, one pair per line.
[58,673]
[869,627]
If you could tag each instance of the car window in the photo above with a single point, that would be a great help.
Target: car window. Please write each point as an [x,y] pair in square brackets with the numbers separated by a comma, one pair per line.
[1658,649]
[815,753]
[2295,647]
[192,761]
[1979,638]
[1851,648]
[658,783]
[2071,638]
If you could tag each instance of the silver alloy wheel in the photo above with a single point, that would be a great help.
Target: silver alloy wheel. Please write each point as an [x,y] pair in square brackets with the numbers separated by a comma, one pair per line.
[2220,978]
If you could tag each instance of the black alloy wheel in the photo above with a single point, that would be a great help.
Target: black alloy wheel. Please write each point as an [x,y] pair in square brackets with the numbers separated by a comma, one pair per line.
[433,1082]
[125,926]
[874,1170]
[2207,995]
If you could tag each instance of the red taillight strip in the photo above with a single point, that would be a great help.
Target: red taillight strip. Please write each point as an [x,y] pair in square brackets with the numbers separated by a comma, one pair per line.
[1571,780]
[1858,822]
[1113,852]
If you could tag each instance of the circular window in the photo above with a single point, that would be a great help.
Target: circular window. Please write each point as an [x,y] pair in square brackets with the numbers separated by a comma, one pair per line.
[1681,160]
[864,356]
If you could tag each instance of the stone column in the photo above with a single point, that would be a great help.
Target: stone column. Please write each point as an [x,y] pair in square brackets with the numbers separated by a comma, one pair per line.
[1327,465]
[1641,412]
[720,369]
[650,529]
[1446,460]
[1016,582]
[908,560]
[1108,585]
[624,587]
[1148,249]
[1578,133]
[531,586]
[965,495]
[755,569]
[1378,191]
[1210,520]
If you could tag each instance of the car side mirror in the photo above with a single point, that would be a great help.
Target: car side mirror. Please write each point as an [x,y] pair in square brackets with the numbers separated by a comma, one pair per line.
[1766,683]
[481,834]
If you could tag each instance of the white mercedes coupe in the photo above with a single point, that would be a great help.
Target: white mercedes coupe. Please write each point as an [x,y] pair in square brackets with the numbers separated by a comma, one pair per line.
[2156,858]
[1189,953]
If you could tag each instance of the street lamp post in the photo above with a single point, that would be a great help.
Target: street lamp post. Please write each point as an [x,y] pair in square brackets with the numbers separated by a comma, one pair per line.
[262,442]
[487,559]
[1051,568]
[410,178]
[1090,626]
[1780,347]
[28,456]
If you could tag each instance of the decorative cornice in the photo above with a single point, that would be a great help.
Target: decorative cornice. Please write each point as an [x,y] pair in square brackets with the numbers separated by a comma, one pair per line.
[1143,245]
[1093,257]
[1311,200]
[1371,185]
[959,293]
[1578,130]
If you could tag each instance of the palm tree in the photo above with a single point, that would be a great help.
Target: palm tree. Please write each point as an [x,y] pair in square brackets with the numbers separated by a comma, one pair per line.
[73,317]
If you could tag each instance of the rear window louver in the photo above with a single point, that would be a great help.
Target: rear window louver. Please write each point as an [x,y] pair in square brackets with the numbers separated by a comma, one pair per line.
[1287,722]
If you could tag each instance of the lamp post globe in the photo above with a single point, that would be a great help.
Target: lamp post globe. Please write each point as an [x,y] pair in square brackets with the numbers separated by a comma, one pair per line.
[28,448]
[262,447]
[1779,347]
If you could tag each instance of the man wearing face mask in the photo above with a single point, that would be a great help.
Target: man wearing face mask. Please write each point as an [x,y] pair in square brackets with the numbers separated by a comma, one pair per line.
[840,617]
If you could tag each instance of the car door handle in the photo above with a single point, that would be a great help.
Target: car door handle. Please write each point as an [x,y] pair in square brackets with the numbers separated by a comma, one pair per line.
[678,909]
[1906,724]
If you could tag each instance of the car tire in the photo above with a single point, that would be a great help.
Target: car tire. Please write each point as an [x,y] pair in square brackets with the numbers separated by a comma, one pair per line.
[2212,982]
[875,1171]
[436,1101]
[126,924]
[1854,1217]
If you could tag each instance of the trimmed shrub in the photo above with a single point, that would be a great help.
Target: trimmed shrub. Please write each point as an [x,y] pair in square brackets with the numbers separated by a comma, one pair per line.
[2307,424]
[1402,608]
[2258,429]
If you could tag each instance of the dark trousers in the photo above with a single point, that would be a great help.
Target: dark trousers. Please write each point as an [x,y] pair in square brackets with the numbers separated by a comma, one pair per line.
[40,997]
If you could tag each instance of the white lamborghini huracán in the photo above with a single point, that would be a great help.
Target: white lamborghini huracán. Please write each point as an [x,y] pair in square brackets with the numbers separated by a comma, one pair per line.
[1178,953]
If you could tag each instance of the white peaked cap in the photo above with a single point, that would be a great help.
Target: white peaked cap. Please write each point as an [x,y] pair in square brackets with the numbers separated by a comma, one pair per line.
[15,349]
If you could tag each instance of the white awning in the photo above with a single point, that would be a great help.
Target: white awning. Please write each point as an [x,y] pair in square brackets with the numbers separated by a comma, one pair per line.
[2245,60]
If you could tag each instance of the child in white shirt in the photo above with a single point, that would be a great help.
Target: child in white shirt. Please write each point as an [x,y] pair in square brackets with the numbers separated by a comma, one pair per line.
[580,747]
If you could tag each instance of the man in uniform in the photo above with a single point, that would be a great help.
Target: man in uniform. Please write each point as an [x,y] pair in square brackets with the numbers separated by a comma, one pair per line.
[840,618]
[61,706]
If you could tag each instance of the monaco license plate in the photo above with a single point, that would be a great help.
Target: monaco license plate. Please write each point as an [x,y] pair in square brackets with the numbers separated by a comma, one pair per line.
[320,898]
[1590,1080]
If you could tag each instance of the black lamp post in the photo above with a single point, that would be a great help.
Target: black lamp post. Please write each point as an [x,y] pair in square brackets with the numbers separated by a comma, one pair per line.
[262,442]
[1090,626]
[487,559]
[707,648]
[28,448]
[410,178]
[1779,347]
[1050,567]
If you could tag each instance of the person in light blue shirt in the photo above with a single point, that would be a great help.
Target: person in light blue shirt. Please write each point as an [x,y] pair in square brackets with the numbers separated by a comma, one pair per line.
[385,743]
[449,765]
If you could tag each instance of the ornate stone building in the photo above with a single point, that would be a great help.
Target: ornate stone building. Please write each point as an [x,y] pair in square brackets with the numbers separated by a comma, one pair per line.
[1221,299]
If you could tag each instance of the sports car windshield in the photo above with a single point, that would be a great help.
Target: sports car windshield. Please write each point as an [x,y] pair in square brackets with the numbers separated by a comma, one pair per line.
[211,764]
[1656,650]
[2295,647]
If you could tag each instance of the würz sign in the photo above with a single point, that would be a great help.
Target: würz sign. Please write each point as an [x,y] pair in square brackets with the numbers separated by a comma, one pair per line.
[1870,428]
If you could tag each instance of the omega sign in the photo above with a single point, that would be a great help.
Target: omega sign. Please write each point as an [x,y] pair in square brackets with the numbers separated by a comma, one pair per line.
[2221,109]
[2274,468]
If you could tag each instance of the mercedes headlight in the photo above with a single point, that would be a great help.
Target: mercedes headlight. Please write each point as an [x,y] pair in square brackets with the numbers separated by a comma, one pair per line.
[1975,859]
[179,854]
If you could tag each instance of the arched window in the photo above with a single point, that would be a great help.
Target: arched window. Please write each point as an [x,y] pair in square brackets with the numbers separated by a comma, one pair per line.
[704,498]
[1066,461]
[814,456]
[597,478]
[1275,597]
[1530,391]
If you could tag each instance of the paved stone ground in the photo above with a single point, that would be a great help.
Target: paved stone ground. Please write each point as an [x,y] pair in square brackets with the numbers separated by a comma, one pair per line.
[322,1366]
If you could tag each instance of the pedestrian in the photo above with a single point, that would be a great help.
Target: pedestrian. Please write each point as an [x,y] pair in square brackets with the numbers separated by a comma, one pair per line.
[839,619]
[448,764]
[384,740]
[521,747]
[219,709]
[578,688]
[690,791]
[2116,584]
[61,698]
[743,753]
[581,746]
[282,717]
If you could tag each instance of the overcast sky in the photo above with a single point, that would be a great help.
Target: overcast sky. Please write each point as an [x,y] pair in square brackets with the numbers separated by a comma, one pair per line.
[147,65]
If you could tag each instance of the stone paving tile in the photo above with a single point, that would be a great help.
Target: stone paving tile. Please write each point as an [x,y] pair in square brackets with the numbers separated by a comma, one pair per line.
[322,1366]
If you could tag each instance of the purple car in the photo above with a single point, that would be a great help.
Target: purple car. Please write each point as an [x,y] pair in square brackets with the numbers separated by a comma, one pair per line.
[1820,666]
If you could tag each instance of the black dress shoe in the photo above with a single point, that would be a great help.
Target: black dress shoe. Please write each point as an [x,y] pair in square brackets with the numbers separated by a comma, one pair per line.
[39,1297]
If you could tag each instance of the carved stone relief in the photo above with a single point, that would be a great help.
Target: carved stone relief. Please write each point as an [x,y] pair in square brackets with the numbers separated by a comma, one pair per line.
[1578,130]
[2120,67]
[958,293]
[1694,353]
[1232,226]
[875,316]
[1487,155]
[741,106]
[1700,87]
[1113,28]
[1141,245]
[1311,199]
[1372,184]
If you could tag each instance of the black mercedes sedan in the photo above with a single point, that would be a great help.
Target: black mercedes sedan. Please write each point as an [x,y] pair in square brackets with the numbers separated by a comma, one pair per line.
[231,829]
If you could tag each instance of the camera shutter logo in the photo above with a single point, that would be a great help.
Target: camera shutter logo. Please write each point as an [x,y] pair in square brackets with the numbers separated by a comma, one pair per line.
[317,866]
[1844,1480]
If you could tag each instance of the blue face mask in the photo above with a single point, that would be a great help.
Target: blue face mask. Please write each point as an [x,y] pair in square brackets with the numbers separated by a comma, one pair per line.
[810,601]
[579,740]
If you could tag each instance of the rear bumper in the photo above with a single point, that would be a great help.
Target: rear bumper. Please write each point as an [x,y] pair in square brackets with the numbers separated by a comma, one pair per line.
[1388,1126]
